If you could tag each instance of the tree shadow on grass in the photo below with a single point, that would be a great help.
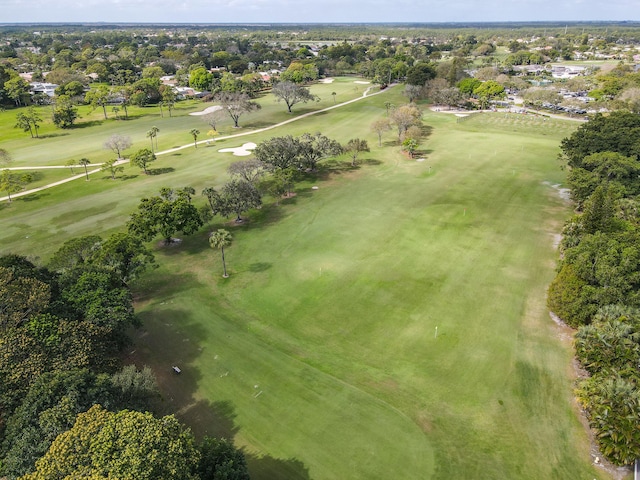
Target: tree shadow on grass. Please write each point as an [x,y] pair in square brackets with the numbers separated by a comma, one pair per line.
[259,124]
[331,167]
[258,267]
[33,197]
[267,215]
[217,419]
[154,285]
[189,244]
[371,161]
[161,171]
[420,155]
[269,468]
[51,135]
[213,419]
[90,123]
[426,130]
[35,176]
[169,338]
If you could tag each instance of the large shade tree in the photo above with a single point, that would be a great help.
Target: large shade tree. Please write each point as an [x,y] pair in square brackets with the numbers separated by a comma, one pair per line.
[65,112]
[248,170]
[165,214]
[291,93]
[125,444]
[279,152]
[235,197]
[313,148]
[142,158]
[236,104]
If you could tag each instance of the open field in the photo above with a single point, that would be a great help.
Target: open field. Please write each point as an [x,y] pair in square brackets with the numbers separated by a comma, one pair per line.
[319,355]
[56,147]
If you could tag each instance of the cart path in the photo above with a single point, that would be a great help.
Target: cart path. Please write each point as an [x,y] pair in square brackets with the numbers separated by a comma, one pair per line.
[365,94]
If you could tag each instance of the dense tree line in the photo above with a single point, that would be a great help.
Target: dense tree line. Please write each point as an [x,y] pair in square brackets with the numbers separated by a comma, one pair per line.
[68,407]
[123,67]
[597,287]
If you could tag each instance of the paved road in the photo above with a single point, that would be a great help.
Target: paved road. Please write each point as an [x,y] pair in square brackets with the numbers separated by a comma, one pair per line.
[171,150]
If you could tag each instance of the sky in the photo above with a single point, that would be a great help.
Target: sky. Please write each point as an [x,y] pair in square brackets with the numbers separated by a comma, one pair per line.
[318,11]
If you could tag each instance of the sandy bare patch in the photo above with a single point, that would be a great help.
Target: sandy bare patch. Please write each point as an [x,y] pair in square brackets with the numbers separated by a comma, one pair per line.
[563,193]
[241,151]
[420,159]
[361,82]
[207,110]
[326,80]
[455,111]
[175,242]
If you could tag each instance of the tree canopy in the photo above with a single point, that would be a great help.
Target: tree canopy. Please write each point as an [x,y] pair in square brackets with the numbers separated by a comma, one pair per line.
[125,444]
[165,214]
[236,104]
[291,93]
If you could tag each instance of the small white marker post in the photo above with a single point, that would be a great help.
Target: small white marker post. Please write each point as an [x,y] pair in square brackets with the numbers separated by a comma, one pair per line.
[436,335]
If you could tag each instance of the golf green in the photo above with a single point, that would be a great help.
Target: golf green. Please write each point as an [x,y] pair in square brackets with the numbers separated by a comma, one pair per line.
[389,324]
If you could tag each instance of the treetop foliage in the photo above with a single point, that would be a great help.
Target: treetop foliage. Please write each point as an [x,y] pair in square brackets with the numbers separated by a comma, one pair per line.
[597,288]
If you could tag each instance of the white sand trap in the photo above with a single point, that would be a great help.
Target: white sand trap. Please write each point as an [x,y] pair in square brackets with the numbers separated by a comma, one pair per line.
[420,159]
[242,151]
[461,115]
[326,80]
[207,110]
[361,82]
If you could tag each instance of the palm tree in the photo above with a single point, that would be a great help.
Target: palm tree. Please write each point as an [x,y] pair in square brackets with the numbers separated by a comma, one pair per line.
[153,133]
[195,132]
[150,134]
[218,240]
[84,162]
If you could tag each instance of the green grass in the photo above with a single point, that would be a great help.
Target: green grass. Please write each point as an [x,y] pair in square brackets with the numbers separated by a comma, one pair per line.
[318,355]
[56,146]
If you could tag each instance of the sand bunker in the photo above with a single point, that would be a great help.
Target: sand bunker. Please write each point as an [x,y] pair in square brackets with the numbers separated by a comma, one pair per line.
[242,151]
[361,82]
[326,80]
[207,110]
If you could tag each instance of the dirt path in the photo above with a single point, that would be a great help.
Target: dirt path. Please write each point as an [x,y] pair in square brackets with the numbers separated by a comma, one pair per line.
[365,94]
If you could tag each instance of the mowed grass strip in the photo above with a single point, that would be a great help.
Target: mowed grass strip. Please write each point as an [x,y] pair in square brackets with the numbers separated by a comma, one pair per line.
[319,355]
[348,283]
